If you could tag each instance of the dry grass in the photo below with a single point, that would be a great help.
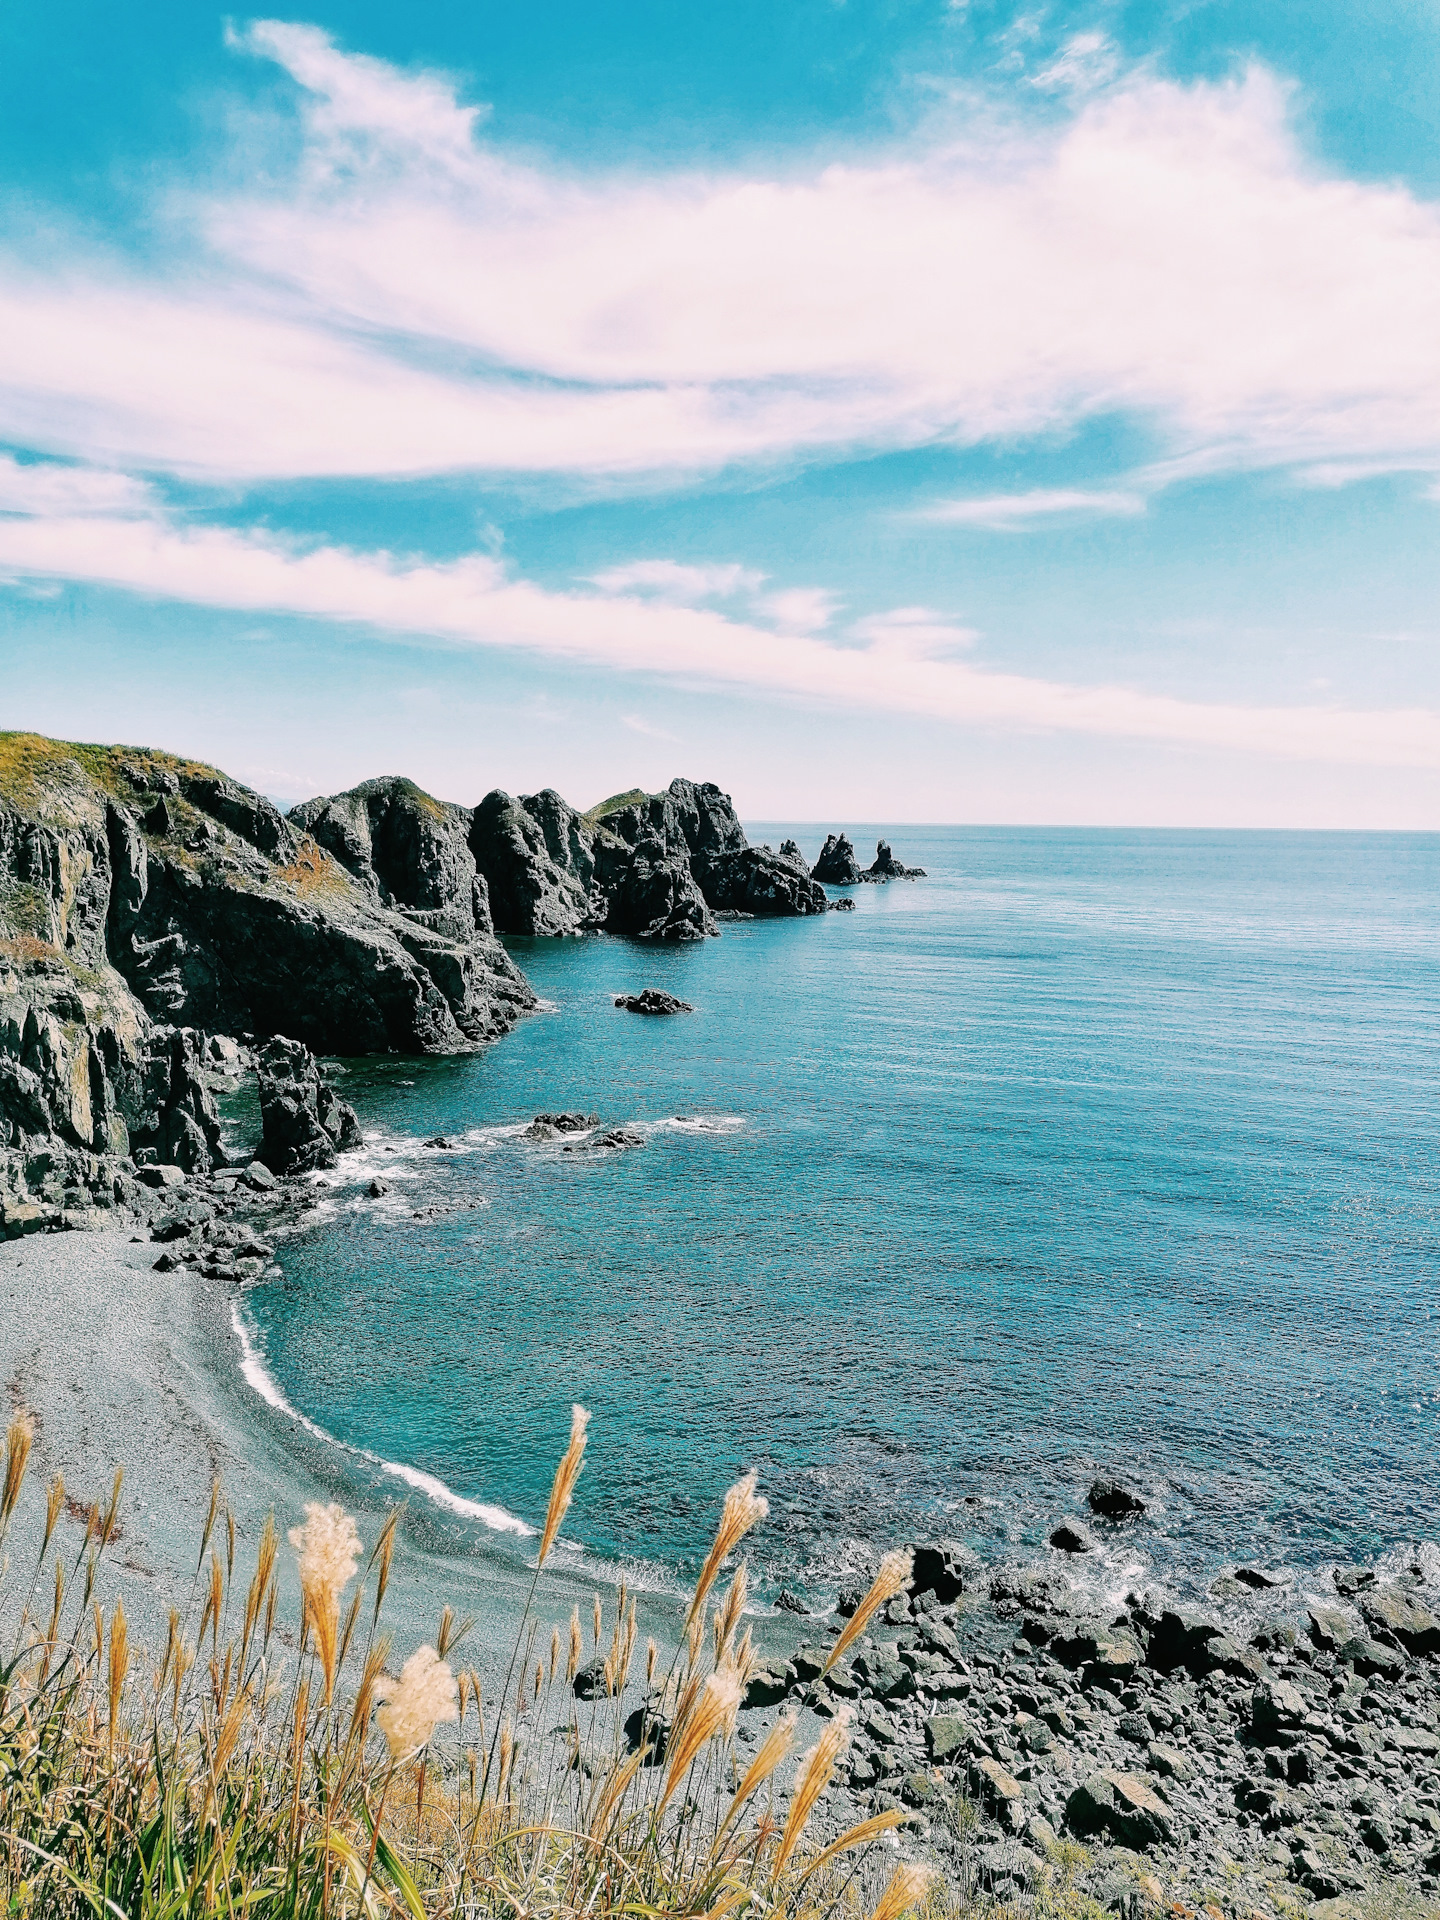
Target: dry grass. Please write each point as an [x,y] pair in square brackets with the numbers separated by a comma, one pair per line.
[226,1774]
[312,872]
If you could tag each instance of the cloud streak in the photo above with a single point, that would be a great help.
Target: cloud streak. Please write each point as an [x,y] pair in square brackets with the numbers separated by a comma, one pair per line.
[891,663]
[1009,512]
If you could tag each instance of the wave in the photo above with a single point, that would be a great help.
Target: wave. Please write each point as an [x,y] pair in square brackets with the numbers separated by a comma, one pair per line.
[259,1377]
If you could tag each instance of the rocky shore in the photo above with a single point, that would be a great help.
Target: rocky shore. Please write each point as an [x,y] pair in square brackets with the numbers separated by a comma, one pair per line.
[1290,1765]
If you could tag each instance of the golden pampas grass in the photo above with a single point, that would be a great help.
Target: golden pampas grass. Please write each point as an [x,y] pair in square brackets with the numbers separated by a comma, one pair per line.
[861,1836]
[714,1714]
[577,1644]
[907,1888]
[563,1485]
[19,1438]
[54,1501]
[119,1664]
[773,1749]
[414,1705]
[727,1614]
[742,1509]
[812,1776]
[328,1548]
[894,1577]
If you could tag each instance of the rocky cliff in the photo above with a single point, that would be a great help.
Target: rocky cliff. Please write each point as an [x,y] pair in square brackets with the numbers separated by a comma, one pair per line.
[147,902]
[150,905]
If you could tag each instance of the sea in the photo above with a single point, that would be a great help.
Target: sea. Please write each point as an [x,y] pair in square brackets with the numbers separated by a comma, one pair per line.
[1089,1152]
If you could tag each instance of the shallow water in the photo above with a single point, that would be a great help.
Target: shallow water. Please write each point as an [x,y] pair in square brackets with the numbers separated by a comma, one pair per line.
[1107,1149]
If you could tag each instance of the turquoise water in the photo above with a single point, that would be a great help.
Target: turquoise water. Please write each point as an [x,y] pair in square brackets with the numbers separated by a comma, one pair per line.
[1093,1149]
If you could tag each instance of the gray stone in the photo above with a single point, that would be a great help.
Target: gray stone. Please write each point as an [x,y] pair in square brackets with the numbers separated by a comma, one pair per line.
[1121,1806]
[1071,1537]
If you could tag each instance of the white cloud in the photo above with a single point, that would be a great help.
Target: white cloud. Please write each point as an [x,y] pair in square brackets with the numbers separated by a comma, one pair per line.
[674,581]
[44,486]
[412,299]
[474,602]
[913,633]
[798,609]
[1005,512]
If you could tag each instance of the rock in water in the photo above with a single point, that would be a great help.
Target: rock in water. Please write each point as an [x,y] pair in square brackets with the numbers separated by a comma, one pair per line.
[886,867]
[1071,1537]
[652,1000]
[837,865]
[305,1123]
[1114,1500]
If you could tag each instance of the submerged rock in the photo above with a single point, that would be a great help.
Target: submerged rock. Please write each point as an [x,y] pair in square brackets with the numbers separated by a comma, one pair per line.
[1114,1500]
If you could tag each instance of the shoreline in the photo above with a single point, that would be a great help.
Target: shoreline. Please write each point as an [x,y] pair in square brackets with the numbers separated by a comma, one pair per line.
[125,1366]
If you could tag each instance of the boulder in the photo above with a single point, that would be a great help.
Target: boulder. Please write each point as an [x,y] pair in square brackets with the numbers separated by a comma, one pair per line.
[1071,1537]
[1123,1808]
[1276,1707]
[1114,1500]
[999,1791]
[652,1000]
[944,1567]
[1393,1612]
[946,1737]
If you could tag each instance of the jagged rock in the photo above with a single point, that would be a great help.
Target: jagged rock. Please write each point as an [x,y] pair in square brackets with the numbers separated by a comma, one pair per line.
[652,1000]
[1071,1537]
[837,865]
[1039,1590]
[545,1126]
[1114,1500]
[787,1602]
[886,867]
[612,1140]
[1122,1806]
[1392,1611]
[946,1568]
[790,850]
[537,855]
[305,1124]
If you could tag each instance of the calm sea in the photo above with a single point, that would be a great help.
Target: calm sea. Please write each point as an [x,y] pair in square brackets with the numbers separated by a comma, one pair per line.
[1091,1150]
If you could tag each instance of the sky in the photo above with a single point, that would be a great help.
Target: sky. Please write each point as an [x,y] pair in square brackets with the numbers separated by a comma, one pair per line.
[889,409]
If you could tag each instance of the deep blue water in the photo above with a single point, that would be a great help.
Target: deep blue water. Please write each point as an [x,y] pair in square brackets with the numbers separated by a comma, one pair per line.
[1092,1149]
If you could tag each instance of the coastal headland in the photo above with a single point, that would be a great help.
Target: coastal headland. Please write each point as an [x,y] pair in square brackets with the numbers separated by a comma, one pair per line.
[168,934]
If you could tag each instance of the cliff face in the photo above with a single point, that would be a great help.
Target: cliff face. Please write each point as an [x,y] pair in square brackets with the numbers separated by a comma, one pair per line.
[148,903]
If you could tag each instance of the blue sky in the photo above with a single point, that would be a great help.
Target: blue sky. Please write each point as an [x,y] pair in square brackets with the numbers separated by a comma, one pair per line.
[906,411]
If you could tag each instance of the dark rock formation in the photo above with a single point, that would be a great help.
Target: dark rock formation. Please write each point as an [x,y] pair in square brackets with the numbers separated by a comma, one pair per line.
[886,867]
[546,1125]
[306,1124]
[612,1140]
[837,865]
[1114,1500]
[538,857]
[1071,1537]
[652,1000]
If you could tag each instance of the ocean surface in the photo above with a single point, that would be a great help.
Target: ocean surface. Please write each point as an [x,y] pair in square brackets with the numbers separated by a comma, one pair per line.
[1091,1150]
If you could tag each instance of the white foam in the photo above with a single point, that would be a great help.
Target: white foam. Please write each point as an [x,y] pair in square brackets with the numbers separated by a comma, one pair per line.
[704,1122]
[259,1377]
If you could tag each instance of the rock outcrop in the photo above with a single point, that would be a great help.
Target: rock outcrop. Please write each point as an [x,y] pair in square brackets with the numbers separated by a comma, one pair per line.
[305,1124]
[653,1000]
[837,865]
[886,867]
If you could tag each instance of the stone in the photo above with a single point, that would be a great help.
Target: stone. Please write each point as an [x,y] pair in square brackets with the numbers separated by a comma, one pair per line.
[1121,1806]
[652,1000]
[1071,1537]
[377,1189]
[1261,1581]
[589,1683]
[1276,1707]
[1392,1611]
[259,1178]
[1368,1657]
[766,1687]
[886,867]
[1329,1626]
[787,1602]
[1169,1762]
[946,1736]
[158,1174]
[944,1567]
[1105,1652]
[1000,1791]
[1352,1580]
[1114,1500]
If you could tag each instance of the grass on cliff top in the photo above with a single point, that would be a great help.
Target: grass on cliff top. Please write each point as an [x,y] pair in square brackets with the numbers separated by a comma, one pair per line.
[286,1771]
[43,778]
[615,804]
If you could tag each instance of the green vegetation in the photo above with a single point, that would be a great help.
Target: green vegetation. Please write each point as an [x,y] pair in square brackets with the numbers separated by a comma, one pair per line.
[44,778]
[614,805]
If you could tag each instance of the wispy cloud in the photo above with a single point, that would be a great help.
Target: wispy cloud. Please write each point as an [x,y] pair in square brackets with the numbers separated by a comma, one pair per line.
[890,663]
[675,581]
[1009,512]
[411,298]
